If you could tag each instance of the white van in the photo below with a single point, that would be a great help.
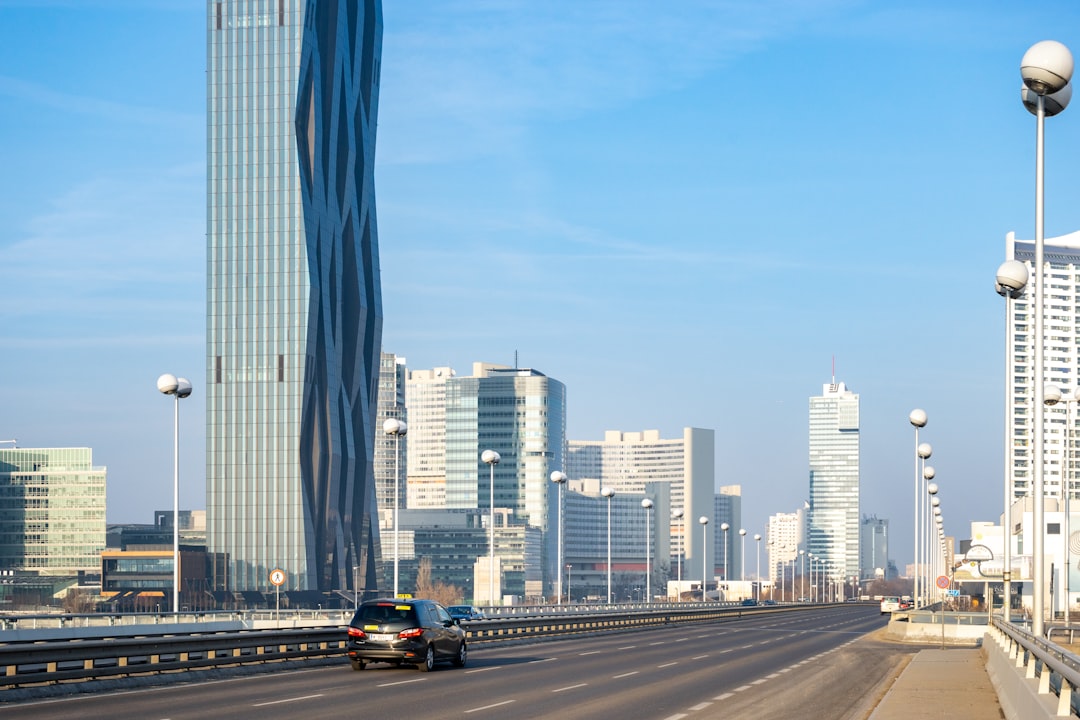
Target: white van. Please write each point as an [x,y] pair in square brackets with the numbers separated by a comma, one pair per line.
[890,603]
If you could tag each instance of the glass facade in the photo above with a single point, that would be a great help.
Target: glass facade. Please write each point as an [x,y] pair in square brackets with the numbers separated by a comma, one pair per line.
[52,511]
[293,298]
[834,480]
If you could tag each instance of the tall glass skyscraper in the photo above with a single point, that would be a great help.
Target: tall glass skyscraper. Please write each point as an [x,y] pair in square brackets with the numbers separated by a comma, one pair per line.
[834,480]
[294,316]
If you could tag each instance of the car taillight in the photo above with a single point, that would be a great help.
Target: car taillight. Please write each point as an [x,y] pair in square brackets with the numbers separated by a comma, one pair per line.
[411,633]
[356,632]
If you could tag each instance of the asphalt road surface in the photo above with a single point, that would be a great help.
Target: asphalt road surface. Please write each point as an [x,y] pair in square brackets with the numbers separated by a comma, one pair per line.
[809,664]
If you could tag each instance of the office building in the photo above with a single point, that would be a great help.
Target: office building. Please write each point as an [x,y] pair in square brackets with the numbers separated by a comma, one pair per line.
[1061,328]
[834,480]
[727,508]
[628,461]
[874,549]
[391,453]
[519,413]
[294,316]
[52,511]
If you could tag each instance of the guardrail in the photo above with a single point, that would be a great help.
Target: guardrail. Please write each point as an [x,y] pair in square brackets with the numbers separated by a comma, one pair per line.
[1051,669]
[152,651]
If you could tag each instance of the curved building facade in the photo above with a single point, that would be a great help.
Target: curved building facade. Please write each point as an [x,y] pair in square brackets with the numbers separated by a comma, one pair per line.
[294,317]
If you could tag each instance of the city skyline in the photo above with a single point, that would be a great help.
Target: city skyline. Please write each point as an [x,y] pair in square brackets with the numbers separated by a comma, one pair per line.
[682,216]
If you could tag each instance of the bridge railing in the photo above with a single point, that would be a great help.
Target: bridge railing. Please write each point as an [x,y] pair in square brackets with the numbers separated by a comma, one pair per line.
[1039,665]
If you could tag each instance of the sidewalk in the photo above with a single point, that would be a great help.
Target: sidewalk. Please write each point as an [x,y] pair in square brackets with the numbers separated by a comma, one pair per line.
[941,684]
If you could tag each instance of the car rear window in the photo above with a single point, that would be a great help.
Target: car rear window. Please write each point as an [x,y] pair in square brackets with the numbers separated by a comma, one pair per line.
[384,613]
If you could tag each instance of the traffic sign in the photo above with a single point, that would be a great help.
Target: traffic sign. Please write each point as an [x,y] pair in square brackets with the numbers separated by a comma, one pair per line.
[954,593]
[277,577]
[943,581]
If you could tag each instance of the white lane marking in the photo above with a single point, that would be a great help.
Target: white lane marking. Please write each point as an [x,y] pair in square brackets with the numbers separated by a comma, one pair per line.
[656,643]
[774,675]
[493,667]
[682,639]
[488,707]
[700,657]
[725,696]
[627,647]
[399,682]
[740,689]
[787,669]
[667,665]
[616,677]
[676,716]
[701,706]
[759,681]
[286,700]
[570,687]
[533,662]
[591,652]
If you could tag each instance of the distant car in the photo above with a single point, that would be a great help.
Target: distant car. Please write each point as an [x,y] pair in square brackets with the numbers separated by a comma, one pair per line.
[410,632]
[749,602]
[769,602]
[889,604]
[466,612]
[905,604]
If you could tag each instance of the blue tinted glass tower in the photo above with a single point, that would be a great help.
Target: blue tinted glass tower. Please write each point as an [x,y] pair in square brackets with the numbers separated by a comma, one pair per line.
[294,317]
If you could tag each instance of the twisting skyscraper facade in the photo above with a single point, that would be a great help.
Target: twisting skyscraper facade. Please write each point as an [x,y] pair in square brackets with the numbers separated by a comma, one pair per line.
[294,317]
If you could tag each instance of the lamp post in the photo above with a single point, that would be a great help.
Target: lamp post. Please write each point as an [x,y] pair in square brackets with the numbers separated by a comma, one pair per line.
[1046,69]
[928,475]
[608,493]
[648,505]
[559,478]
[569,567]
[397,428]
[742,554]
[492,459]
[802,575]
[924,451]
[705,553]
[179,388]
[725,527]
[757,573]
[917,418]
[1011,279]
[1054,395]
[678,515]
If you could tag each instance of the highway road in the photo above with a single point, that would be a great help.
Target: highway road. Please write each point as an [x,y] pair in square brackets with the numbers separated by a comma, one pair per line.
[815,663]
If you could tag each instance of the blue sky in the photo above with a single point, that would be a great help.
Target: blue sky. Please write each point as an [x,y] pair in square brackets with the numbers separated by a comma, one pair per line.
[683,212]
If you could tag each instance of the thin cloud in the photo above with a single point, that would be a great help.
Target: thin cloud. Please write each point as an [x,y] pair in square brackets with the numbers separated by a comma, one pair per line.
[36,94]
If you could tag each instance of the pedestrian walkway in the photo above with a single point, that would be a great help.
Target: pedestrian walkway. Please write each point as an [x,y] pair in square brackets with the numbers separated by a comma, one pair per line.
[949,683]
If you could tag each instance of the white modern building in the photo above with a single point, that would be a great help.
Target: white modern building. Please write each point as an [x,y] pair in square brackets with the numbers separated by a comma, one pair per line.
[425,398]
[833,522]
[785,536]
[1061,358]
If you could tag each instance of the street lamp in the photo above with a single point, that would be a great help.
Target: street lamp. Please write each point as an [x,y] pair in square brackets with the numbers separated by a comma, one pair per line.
[397,428]
[608,493]
[678,515]
[705,553]
[1046,69]
[742,554]
[648,504]
[568,568]
[802,575]
[559,478]
[179,388]
[1011,279]
[928,474]
[725,527]
[492,459]
[917,418]
[757,539]
[1054,395]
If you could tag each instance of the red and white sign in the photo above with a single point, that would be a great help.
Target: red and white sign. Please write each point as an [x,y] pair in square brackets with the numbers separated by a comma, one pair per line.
[943,581]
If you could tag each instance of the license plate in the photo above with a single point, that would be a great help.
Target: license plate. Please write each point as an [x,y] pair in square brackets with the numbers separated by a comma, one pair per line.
[380,637]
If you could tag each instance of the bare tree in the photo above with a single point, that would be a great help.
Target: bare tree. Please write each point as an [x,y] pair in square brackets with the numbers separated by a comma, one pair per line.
[435,589]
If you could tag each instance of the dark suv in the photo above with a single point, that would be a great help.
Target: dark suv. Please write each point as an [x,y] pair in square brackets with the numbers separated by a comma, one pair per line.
[412,632]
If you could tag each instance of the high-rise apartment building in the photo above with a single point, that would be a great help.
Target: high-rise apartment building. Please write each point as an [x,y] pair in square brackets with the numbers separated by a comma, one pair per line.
[627,461]
[52,511]
[1061,330]
[785,537]
[294,316]
[834,480]
[425,398]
